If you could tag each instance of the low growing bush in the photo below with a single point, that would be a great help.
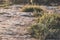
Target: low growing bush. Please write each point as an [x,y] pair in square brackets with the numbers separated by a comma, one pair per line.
[31,8]
[48,24]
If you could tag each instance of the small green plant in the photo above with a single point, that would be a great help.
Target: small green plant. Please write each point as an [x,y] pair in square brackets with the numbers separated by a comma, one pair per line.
[48,24]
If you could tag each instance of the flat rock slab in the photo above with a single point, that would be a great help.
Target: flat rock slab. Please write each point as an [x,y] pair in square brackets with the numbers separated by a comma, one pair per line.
[13,25]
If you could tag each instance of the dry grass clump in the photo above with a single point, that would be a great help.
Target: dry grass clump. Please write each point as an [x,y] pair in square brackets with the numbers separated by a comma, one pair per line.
[31,8]
[47,25]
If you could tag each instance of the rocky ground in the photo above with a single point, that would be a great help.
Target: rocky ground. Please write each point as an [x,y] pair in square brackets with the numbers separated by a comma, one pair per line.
[13,24]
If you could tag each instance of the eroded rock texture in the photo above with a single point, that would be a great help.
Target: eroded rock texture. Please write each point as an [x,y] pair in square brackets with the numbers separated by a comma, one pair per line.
[13,25]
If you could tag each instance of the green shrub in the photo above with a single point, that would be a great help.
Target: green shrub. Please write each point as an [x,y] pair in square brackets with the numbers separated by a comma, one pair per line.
[31,8]
[48,24]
